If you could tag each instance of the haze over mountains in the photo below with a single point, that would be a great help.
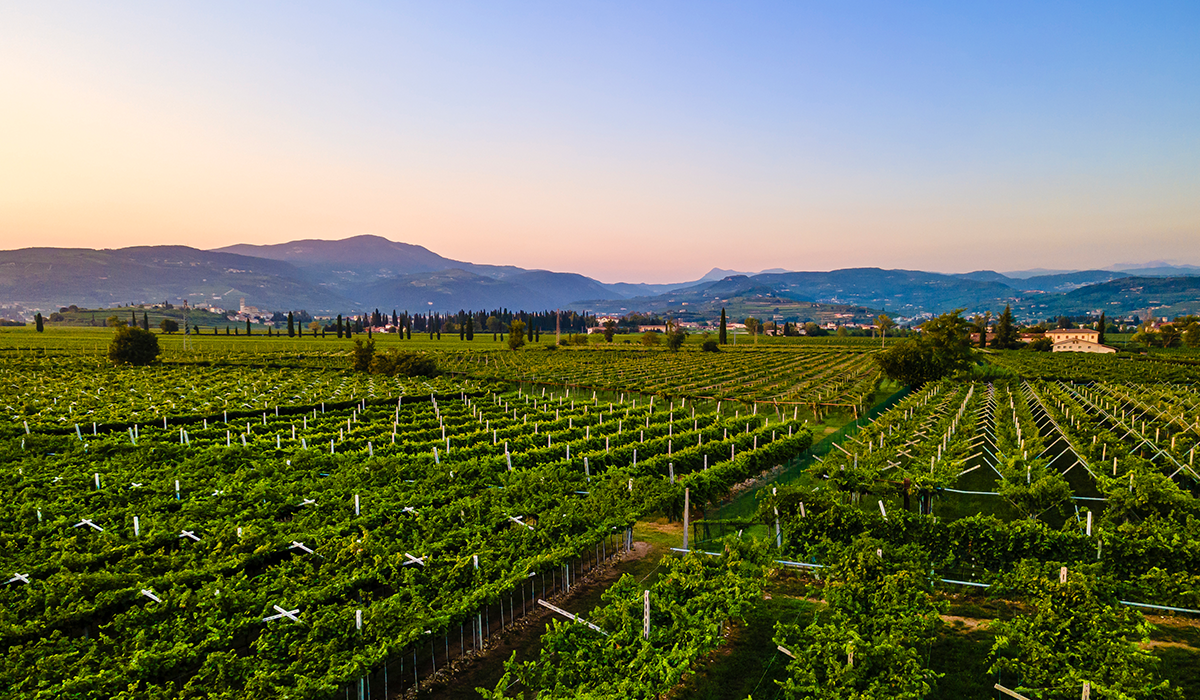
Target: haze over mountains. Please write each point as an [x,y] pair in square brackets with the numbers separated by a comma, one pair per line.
[367,272]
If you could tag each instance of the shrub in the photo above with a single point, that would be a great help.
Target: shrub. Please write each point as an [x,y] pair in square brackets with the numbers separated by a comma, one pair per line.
[396,362]
[133,346]
[363,354]
[710,345]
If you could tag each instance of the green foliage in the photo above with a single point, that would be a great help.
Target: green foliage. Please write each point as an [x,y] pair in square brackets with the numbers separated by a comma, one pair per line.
[871,642]
[1043,344]
[516,334]
[675,340]
[1074,632]
[363,353]
[133,346]
[651,339]
[1006,332]
[710,345]
[168,325]
[942,349]
[690,603]
[396,362]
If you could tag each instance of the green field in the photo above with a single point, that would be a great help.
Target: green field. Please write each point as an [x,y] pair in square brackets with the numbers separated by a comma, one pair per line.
[264,472]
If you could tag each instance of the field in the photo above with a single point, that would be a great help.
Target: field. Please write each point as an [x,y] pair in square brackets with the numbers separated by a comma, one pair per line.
[250,518]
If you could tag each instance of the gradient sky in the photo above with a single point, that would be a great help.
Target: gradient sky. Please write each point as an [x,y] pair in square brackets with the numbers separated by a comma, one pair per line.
[646,141]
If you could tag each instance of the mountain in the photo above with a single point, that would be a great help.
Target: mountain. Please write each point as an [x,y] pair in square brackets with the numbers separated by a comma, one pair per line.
[1035,272]
[51,277]
[903,293]
[1066,281]
[367,272]
[985,276]
[1157,268]
[451,290]
[1145,296]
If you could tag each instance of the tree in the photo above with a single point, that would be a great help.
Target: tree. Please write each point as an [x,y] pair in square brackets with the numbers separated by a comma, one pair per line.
[1006,331]
[248,327]
[942,348]
[1064,323]
[1168,335]
[146,321]
[291,325]
[314,327]
[168,325]
[114,322]
[133,346]
[752,327]
[38,323]
[884,323]
[1102,326]
[516,334]
[675,339]
[710,345]
[1191,336]
[812,330]
[363,353]
[470,328]
[842,332]
[722,338]
[132,317]
[650,339]
[610,329]
[339,325]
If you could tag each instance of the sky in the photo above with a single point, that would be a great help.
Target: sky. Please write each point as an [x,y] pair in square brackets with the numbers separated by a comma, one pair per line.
[642,142]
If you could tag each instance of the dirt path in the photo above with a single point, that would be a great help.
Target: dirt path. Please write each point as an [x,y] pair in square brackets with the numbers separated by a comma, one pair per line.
[459,681]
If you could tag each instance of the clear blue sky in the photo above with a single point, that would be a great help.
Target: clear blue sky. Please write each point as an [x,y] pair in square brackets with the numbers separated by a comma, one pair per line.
[641,141]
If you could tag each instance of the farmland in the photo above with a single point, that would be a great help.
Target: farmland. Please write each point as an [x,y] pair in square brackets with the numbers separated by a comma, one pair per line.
[250,518]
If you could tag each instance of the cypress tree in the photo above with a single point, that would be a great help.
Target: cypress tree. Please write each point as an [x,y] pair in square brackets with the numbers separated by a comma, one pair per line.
[531,328]
[462,328]
[721,336]
[1006,331]
[291,325]
[132,319]
[146,322]
[409,334]
[1102,327]
[248,327]
[470,328]
[37,320]
[339,325]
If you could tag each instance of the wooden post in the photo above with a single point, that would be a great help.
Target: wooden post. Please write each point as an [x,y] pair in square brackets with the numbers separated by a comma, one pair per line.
[1087,690]
[1010,693]
[687,501]
[1062,575]
[646,614]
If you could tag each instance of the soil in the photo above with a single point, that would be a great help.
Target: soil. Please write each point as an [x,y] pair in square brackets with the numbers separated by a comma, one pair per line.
[485,669]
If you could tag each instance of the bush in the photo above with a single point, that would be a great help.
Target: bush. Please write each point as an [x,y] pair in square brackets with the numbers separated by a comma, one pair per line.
[710,345]
[1042,344]
[133,346]
[650,339]
[396,362]
[168,325]
[363,354]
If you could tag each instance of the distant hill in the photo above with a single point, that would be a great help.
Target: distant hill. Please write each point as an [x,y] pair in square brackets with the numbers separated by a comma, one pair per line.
[368,272]
[1066,281]
[1154,296]
[52,277]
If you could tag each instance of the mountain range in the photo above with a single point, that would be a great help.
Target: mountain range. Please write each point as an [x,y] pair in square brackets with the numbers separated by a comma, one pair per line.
[367,272]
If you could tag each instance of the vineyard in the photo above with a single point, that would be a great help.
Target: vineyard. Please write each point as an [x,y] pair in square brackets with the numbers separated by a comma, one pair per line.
[303,547]
[259,521]
[825,377]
